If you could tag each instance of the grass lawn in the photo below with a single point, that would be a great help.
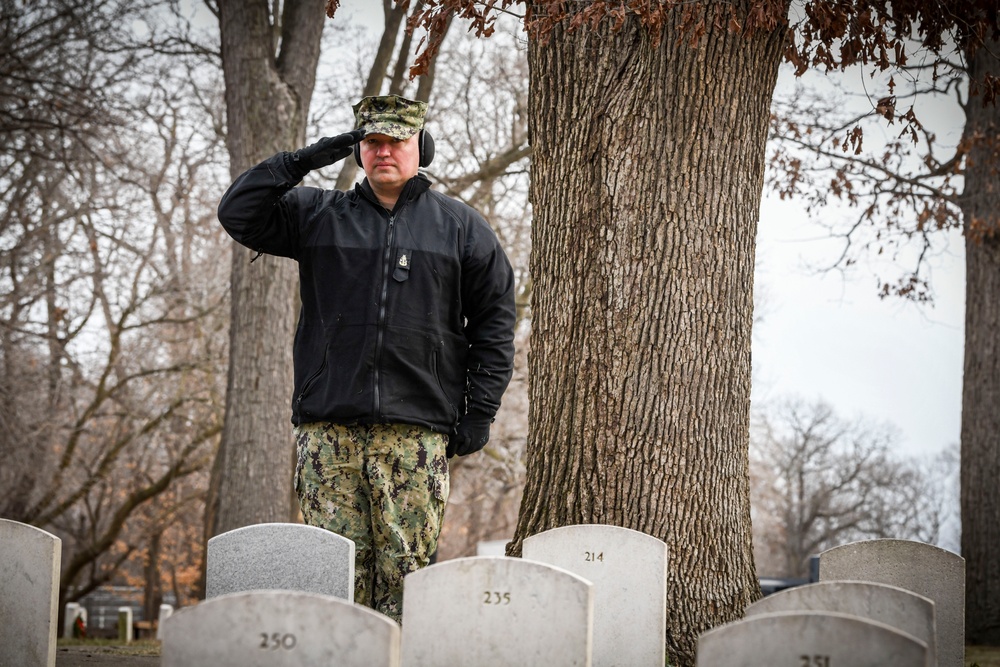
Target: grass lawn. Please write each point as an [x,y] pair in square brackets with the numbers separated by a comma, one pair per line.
[975,656]
[982,656]
[114,646]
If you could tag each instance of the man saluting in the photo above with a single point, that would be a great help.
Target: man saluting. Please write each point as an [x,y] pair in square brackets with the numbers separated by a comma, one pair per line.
[405,340]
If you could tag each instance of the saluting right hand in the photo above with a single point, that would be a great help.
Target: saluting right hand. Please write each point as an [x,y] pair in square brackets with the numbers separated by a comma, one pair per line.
[328,150]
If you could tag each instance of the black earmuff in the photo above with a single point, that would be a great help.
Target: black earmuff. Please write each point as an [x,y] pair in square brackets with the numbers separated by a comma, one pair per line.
[425,144]
[426,148]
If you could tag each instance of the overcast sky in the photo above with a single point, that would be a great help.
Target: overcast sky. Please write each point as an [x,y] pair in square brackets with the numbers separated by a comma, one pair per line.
[828,336]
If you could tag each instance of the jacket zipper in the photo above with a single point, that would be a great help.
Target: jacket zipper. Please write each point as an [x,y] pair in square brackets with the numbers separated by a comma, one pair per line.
[380,335]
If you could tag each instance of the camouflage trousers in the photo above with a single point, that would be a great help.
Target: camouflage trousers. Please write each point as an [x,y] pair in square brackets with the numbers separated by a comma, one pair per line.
[385,487]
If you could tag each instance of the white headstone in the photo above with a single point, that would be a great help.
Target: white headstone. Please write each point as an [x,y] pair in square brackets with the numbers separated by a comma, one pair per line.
[280,556]
[70,613]
[29,594]
[925,569]
[898,607]
[810,639]
[492,548]
[166,610]
[279,629]
[629,573]
[493,610]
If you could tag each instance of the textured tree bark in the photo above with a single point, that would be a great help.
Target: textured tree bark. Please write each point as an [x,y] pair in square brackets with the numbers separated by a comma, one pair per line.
[647,174]
[980,495]
[267,99]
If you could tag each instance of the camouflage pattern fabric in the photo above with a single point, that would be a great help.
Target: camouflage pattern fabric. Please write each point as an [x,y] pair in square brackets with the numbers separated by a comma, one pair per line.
[384,486]
[390,115]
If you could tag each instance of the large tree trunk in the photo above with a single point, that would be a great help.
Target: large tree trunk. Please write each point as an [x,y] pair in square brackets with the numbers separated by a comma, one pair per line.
[981,383]
[267,100]
[647,173]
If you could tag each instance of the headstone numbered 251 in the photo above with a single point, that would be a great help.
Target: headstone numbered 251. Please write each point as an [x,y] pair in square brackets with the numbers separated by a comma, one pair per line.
[279,629]
[629,572]
[894,606]
[29,595]
[810,639]
[925,569]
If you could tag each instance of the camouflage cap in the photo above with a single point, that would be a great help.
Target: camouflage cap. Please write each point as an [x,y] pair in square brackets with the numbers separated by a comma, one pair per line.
[391,115]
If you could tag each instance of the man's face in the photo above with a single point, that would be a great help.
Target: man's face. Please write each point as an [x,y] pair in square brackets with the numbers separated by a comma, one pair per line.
[388,162]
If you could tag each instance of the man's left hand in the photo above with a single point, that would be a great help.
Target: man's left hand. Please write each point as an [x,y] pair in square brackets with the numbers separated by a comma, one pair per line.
[471,435]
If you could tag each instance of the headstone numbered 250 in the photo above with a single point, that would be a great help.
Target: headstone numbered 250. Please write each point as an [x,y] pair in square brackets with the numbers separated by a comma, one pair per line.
[279,629]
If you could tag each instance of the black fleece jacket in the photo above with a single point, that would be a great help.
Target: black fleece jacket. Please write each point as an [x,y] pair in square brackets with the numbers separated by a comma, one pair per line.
[407,316]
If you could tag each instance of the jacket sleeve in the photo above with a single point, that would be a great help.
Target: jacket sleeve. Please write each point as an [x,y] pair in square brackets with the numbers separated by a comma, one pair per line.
[261,209]
[489,310]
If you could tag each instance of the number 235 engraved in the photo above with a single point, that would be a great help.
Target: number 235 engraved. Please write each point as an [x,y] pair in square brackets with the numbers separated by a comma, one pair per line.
[496,597]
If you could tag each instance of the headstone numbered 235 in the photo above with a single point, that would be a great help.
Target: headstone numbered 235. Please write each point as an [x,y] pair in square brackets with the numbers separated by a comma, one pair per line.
[29,595]
[492,610]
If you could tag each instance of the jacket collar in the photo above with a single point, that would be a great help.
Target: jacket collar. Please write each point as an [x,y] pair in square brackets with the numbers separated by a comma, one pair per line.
[414,187]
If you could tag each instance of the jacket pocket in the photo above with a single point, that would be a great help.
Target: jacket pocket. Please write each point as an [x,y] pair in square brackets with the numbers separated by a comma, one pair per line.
[310,383]
[436,369]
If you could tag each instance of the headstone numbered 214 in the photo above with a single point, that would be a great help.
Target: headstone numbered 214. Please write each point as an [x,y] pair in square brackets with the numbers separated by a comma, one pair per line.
[629,572]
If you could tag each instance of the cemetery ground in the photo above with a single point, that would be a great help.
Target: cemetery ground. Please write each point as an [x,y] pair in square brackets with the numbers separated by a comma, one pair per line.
[107,653]
[146,653]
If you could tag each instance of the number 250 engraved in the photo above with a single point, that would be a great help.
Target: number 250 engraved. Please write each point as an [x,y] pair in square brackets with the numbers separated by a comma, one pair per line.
[495,597]
[276,640]
[814,661]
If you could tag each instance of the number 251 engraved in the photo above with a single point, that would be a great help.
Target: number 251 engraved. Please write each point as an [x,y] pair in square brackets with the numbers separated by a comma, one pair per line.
[814,661]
